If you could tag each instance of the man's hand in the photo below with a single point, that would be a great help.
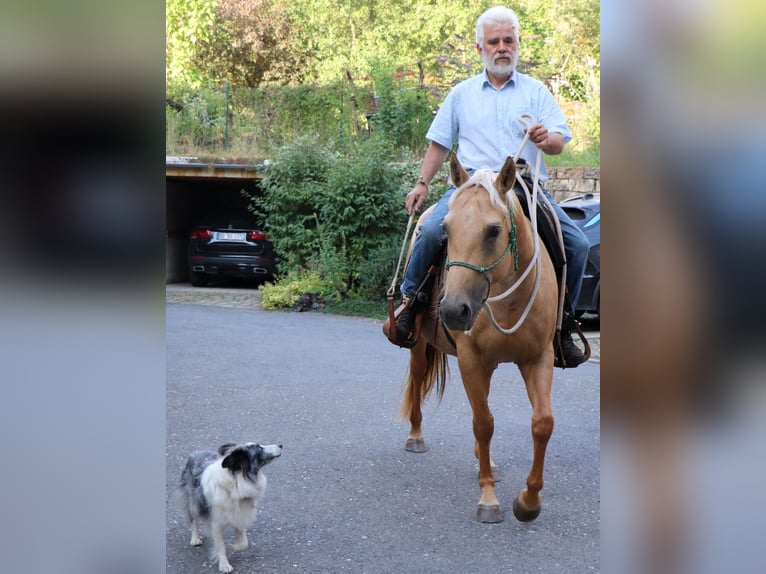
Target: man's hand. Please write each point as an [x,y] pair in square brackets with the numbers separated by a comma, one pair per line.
[551,143]
[538,133]
[416,198]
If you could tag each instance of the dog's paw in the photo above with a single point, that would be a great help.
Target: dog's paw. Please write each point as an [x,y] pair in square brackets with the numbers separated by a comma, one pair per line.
[196,541]
[240,544]
[224,566]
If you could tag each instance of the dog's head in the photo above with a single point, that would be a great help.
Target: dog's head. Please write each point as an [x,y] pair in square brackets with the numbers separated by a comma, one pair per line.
[248,458]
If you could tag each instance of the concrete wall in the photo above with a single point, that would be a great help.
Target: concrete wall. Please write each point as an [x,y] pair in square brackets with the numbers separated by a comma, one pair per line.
[564,182]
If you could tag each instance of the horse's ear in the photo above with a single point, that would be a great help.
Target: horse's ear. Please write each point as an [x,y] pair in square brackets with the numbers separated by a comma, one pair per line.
[457,172]
[507,176]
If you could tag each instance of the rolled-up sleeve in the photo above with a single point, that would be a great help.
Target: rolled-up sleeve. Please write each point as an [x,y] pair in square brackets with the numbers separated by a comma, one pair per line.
[444,127]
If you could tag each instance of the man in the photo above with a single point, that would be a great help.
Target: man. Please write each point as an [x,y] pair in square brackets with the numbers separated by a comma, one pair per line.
[482,114]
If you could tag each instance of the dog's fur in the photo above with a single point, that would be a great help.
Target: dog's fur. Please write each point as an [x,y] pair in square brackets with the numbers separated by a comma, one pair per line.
[222,489]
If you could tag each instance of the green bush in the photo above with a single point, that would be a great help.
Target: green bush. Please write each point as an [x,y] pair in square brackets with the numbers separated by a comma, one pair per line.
[377,268]
[290,288]
[404,110]
[326,211]
[288,206]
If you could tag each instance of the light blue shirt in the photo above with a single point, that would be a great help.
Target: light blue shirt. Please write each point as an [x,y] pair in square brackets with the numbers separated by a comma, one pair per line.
[484,120]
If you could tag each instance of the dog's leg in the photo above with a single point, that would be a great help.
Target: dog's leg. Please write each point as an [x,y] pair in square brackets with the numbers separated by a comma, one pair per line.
[241,542]
[196,539]
[219,549]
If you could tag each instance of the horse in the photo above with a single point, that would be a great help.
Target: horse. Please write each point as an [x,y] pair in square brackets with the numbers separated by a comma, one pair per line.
[494,263]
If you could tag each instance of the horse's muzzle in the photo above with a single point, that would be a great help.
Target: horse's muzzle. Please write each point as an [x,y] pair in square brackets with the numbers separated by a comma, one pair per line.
[457,313]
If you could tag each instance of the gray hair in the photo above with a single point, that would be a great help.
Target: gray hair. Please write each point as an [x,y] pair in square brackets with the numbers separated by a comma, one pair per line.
[496,15]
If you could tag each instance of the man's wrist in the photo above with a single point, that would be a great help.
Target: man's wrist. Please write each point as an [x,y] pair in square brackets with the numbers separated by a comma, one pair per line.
[422,180]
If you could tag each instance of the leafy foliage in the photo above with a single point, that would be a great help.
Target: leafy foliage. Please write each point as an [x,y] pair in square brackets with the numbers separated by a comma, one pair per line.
[335,94]
[187,24]
[404,109]
[289,290]
[327,210]
[200,122]
[408,53]
[288,206]
[250,44]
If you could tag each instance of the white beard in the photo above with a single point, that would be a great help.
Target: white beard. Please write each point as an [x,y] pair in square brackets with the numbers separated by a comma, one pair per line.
[500,70]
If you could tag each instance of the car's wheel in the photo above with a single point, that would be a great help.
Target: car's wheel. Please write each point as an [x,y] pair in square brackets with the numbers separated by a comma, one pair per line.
[197,279]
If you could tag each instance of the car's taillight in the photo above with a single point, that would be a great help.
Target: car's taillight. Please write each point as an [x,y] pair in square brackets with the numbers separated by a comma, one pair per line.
[256,236]
[201,234]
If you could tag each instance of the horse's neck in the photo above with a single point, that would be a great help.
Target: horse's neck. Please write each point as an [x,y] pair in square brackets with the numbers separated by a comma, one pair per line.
[525,244]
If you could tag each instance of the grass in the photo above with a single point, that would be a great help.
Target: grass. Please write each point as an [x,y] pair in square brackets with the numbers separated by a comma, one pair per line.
[574,157]
[354,307]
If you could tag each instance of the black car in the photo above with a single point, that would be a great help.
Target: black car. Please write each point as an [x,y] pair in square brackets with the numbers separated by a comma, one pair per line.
[585,211]
[229,247]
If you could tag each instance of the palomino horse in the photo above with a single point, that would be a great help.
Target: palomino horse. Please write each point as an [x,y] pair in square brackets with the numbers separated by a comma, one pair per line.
[496,264]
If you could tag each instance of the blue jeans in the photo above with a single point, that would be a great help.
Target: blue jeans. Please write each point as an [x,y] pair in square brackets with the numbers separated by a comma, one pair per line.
[428,244]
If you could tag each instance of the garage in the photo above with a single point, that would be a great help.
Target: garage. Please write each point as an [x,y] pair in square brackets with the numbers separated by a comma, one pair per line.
[193,189]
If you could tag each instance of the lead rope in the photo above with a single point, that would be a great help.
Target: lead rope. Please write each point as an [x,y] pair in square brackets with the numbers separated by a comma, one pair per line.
[527,120]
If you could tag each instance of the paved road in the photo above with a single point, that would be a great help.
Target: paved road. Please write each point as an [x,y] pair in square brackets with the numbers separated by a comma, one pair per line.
[345,496]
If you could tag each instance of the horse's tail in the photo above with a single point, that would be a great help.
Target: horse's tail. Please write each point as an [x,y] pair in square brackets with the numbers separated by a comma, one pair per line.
[421,380]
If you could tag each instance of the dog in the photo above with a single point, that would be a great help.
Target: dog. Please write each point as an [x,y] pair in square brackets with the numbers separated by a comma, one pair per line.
[221,489]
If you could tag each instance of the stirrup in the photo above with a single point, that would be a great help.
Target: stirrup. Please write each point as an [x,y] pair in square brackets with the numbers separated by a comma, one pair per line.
[417,302]
[389,325]
[558,353]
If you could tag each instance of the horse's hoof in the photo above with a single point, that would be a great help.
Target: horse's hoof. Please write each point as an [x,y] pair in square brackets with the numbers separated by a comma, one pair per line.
[489,513]
[522,514]
[416,445]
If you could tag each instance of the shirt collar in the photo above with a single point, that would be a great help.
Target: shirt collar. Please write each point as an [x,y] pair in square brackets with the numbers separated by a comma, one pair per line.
[511,82]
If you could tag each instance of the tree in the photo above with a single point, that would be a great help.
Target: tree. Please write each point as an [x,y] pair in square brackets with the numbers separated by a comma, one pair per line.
[187,24]
[252,43]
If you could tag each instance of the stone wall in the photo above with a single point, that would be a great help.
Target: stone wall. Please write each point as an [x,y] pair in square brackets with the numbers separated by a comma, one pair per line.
[564,182]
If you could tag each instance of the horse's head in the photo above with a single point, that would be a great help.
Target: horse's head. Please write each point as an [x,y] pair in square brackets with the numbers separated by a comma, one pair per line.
[479,240]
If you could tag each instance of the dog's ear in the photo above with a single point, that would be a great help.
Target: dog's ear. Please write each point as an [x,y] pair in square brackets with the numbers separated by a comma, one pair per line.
[237,460]
[224,449]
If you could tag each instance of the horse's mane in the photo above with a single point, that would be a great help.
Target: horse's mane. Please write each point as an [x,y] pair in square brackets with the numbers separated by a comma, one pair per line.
[486,179]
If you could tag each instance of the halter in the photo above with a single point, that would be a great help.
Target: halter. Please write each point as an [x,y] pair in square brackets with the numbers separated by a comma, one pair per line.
[512,247]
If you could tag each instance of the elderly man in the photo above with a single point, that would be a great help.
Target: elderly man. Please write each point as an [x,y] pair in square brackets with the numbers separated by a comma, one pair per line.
[482,114]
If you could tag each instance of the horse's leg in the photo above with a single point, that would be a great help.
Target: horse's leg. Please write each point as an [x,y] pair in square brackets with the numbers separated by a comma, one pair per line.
[413,397]
[495,469]
[538,378]
[476,381]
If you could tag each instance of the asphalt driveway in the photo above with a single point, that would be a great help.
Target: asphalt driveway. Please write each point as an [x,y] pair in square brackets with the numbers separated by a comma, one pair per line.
[345,496]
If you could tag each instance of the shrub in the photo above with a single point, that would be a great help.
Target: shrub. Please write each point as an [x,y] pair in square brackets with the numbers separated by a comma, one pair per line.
[288,206]
[376,269]
[326,211]
[290,288]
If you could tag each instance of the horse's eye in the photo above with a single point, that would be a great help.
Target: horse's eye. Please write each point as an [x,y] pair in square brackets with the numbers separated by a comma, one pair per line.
[493,232]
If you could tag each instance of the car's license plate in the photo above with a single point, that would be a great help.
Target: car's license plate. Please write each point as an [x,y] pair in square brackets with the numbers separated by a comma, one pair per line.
[224,236]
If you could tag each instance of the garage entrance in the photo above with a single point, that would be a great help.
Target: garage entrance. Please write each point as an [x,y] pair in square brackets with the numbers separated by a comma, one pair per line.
[194,189]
